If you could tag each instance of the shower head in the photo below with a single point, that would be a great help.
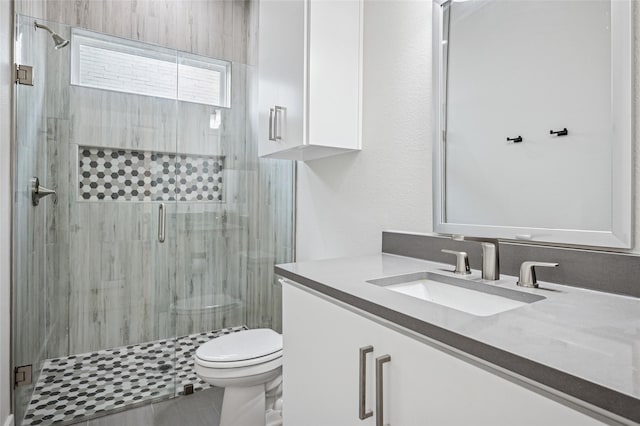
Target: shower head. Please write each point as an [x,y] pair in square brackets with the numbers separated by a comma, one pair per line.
[59,41]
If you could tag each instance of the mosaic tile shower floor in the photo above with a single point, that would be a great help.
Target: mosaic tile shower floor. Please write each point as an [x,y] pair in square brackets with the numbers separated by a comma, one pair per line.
[77,387]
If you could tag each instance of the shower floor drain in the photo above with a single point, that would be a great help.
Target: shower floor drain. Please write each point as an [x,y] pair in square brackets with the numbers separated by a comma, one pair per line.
[92,384]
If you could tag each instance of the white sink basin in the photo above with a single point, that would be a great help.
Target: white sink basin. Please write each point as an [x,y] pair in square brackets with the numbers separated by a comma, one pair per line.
[468,296]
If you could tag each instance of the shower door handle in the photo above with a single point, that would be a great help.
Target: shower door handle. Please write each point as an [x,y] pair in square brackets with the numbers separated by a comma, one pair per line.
[162,221]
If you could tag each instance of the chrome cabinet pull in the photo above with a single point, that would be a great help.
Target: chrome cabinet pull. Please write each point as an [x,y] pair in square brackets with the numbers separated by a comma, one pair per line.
[276,126]
[380,361]
[162,220]
[363,413]
[271,137]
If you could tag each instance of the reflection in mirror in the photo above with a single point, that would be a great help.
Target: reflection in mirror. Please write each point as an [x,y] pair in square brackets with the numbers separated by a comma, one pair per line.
[533,127]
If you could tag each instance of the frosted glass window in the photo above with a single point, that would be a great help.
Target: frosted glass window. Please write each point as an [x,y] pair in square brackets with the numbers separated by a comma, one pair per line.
[203,80]
[110,63]
[123,72]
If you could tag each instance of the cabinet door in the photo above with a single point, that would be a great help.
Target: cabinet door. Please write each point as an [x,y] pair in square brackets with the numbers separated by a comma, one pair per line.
[321,362]
[335,58]
[427,386]
[281,68]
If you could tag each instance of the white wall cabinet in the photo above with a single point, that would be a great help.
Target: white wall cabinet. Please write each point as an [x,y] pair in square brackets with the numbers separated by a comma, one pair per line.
[309,84]
[421,384]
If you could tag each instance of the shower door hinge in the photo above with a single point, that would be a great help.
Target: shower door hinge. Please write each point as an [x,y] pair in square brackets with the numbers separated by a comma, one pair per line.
[24,75]
[22,375]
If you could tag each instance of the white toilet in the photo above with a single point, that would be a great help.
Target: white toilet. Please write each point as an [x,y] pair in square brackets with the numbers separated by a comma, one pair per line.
[248,364]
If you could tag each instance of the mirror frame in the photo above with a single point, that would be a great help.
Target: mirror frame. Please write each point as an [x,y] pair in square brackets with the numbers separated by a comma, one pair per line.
[621,234]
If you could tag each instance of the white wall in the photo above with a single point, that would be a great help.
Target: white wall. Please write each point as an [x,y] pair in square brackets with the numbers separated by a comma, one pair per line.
[6,36]
[345,202]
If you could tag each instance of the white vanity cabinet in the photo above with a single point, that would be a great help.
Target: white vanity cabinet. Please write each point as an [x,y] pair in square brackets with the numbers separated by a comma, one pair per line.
[422,385]
[309,78]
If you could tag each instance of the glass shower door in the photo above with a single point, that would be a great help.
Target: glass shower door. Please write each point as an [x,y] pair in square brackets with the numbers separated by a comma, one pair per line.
[122,143]
[29,293]
[93,273]
[211,236]
[236,220]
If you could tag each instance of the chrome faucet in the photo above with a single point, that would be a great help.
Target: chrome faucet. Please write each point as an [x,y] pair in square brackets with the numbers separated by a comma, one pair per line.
[490,255]
[462,262]
[527,276]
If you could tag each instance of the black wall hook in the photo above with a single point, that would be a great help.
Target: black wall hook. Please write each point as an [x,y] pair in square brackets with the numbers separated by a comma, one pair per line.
[517,139]
[563,132]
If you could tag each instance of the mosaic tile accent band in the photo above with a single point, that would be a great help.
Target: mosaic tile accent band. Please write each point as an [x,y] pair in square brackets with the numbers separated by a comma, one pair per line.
[121,175]
[76,387]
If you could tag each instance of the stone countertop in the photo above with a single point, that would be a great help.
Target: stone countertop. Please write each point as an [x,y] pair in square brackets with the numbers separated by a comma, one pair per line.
[583,343]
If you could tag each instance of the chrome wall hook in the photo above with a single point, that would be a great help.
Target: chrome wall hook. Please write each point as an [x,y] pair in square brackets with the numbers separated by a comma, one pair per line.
[38,191]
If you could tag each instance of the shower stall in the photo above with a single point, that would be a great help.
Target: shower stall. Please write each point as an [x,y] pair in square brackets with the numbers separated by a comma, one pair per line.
[163,229]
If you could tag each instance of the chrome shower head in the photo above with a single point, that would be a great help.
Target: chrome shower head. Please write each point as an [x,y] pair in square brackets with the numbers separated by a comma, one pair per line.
[59,41]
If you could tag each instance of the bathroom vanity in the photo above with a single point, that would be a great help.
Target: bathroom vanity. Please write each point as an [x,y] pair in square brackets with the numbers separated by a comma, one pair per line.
[563,356]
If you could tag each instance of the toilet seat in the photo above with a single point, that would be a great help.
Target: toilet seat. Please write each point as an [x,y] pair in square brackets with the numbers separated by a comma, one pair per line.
[241,349]
[239,364]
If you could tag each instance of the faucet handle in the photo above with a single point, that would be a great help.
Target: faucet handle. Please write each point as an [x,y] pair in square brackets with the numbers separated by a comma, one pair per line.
[528,273]
[38,191]
[462,261]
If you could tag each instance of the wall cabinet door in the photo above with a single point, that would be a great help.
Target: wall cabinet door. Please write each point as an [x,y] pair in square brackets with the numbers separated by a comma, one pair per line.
[421,384]
[309,78]
[281,74]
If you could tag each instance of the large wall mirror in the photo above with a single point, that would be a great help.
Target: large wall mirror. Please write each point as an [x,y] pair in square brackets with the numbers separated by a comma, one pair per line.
[532,106]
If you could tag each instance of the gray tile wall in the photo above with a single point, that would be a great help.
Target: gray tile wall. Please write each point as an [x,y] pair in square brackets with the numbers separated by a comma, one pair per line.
[214,28]
[110,282]
[124,286]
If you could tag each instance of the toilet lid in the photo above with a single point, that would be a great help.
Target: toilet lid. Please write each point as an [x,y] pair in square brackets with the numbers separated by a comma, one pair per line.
[240,346]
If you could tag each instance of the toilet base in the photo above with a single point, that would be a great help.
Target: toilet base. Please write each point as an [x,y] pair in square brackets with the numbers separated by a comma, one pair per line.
[243,406]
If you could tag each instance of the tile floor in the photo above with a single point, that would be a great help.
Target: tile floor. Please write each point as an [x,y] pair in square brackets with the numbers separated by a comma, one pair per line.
[200,409]
[77,387]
